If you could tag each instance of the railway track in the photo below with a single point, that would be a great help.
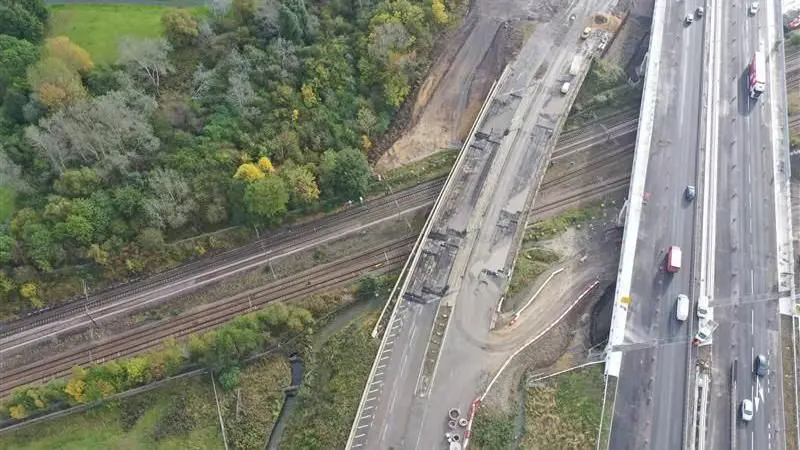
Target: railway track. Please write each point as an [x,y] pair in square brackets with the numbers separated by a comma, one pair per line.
[336,274]
[204,272]
[315,280]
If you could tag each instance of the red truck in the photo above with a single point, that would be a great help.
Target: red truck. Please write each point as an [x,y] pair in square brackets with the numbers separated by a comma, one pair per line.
[674,259]
[757,75]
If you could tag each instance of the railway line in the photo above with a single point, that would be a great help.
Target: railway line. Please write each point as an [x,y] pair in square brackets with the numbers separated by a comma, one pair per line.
[340,273]
[203,272]
[619,129]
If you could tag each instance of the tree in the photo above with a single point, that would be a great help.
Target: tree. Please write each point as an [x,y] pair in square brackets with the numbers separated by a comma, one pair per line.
[76,228]
[6,248]
[77,182]
[15,57]
[220,7]
[300,182]
[351,174]
[17,22]
[171,204]
[73,56]
[145,57]
[248,172]
[240,92]
[326,172]
[151,240]
[439,12]
[112,129]
[265,165]
[179,26]
[54,84]
[266,199]
[229,377]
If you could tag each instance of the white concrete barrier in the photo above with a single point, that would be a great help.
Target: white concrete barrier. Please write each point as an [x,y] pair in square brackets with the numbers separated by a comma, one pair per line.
[641,157]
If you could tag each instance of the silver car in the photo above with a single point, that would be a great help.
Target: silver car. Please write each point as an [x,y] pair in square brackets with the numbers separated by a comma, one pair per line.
[747,410]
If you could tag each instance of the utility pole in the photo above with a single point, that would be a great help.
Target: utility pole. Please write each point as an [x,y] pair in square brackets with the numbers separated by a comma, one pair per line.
[86,302]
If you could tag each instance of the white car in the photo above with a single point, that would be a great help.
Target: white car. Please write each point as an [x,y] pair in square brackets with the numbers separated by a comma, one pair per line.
[747,410]
[689,19]
[753,9]
[565,88]
[703,307]
[682,308]
[586,32]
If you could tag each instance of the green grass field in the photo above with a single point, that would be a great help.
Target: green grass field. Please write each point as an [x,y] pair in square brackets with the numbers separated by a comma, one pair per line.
[565,411]
[97,28]
[181,415]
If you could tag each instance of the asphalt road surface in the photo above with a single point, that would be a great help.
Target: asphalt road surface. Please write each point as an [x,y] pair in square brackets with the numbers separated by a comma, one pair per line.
[746,298]
[423,370]
[649,407]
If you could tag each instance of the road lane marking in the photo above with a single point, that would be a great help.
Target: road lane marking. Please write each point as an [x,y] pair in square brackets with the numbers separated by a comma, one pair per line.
[368,408]
[371,399]
[363,426]
[374,390]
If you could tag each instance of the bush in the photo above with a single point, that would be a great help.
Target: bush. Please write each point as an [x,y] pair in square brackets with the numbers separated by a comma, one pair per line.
[219,350]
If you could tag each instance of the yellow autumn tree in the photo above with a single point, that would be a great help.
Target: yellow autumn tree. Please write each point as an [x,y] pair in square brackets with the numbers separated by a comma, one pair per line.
[75,57]
[366,144]
[248,172]
[265,165]
[30,292]
[54,83]
[17,412]
[76,386]
[309,97]
[439,12]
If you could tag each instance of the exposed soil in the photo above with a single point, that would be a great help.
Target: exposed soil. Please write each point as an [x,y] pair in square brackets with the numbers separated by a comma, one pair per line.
[447,102]
[577,338]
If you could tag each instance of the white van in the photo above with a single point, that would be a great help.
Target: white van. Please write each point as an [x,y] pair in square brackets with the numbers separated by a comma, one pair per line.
[682,308]
[703,307]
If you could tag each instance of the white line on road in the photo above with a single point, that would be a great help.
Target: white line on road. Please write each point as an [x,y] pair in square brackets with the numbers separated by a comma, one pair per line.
[368,408]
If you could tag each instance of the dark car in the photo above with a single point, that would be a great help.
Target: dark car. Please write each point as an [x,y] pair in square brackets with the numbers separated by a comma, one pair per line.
[690,193]
[761,366]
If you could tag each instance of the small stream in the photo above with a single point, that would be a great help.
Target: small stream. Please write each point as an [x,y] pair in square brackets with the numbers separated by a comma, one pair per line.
[298,367]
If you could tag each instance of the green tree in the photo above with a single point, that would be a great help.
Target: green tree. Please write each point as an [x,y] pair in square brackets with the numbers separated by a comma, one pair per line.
[76,228]
[351,174]
[77,182]
[18,22]
[368,288]
[151,240]
[229,377]
[179,26]
[6,248]
[266,199]
[15,57]
[300,182]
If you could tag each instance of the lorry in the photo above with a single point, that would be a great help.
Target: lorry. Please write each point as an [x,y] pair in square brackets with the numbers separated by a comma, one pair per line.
[757,75]
[674,259]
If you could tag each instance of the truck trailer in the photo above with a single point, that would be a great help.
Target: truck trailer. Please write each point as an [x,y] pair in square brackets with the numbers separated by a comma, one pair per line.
[757,75]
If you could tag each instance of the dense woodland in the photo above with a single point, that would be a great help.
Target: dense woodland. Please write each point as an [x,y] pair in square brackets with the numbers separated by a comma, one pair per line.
[254,110]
